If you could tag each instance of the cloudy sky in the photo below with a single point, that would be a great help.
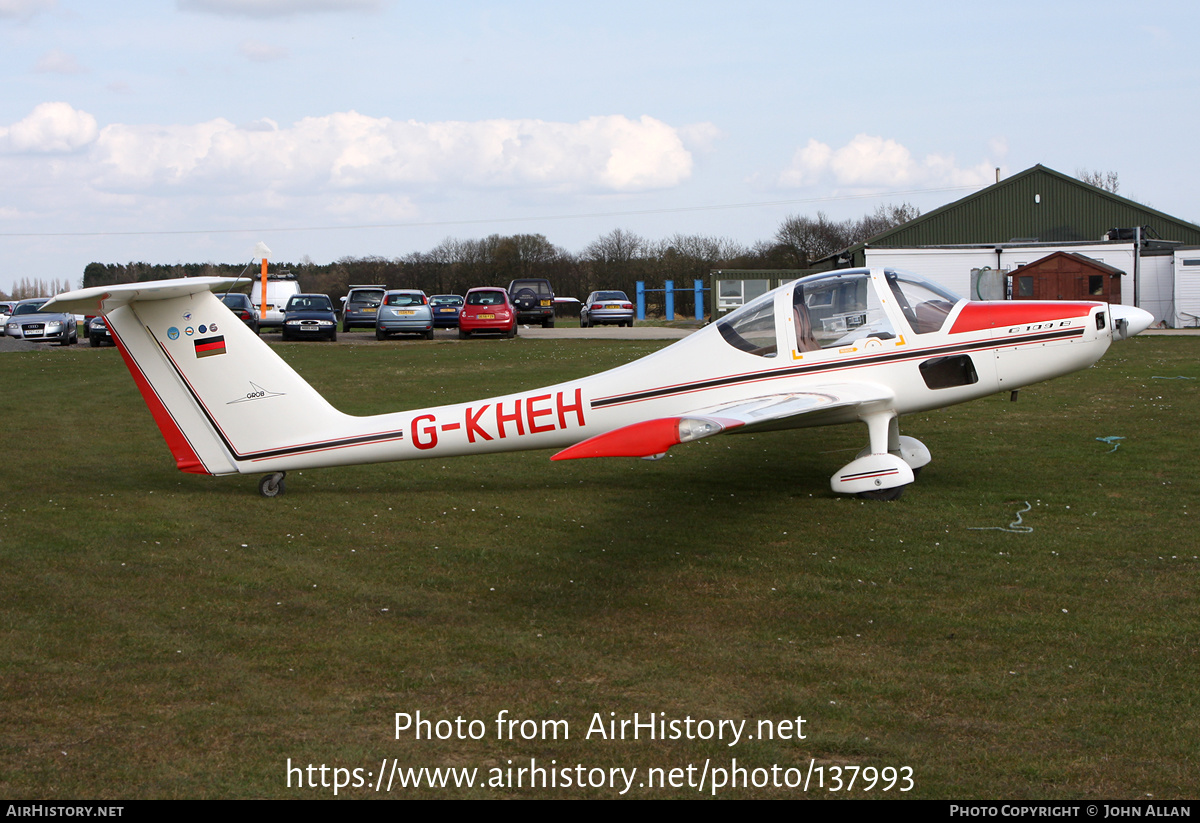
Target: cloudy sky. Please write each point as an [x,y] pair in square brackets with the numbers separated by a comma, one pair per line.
[188,130]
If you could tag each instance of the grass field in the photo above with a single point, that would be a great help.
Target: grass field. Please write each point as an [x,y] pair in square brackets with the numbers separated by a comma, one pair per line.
[166,635]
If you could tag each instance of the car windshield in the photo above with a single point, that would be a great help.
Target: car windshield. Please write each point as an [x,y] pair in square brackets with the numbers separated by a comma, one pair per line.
[404,299]
[485,298]
[237,300]
[309,302]
[446,300]
[611,295]
[29,308]
[365,298]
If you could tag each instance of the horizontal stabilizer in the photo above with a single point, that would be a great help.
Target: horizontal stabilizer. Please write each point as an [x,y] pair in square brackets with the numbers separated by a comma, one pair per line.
[103,299]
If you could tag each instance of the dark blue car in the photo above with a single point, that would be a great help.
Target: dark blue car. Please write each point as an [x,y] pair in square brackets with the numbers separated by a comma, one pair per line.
[309,315]
[446,308]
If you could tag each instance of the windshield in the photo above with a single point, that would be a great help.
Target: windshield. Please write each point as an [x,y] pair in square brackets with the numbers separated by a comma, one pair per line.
[309,302]
[29,308]
[611,295]
[404,299]
[485,298]
[446,300]
[365,298]
[752,327]
[925,305]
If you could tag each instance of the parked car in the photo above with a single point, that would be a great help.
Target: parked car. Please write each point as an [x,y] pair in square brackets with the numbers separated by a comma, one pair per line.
[243,308]
[534,301]
[487,309]
[309,315]
[405,311]
[360,307]
[98,333]
[280,288]
[445,309]
[603,307]
[27,323]
[6,308]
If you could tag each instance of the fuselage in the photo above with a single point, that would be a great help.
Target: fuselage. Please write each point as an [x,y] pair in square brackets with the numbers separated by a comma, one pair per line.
[977,349]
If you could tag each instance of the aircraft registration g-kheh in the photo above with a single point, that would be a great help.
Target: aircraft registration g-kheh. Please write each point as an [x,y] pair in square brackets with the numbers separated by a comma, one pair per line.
[843,346]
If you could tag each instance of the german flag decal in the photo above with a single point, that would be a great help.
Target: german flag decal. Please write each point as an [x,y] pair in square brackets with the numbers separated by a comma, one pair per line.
[208,346]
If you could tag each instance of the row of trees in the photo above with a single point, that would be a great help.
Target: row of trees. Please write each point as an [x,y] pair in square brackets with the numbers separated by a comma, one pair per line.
[616,260]
[28,287]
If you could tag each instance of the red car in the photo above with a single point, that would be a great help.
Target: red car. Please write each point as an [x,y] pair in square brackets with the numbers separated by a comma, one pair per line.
[487,309]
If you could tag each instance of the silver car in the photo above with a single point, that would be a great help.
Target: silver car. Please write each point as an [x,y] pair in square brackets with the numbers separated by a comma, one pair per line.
[27,323]
[606,307]
[404,311]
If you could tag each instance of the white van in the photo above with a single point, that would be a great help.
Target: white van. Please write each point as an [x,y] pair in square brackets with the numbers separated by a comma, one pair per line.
[280,288]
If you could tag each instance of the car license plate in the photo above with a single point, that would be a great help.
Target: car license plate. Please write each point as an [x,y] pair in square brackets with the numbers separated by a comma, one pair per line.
[545,302]
[369,310]
[445,311]
[487,317]
[406,311]
[610,306]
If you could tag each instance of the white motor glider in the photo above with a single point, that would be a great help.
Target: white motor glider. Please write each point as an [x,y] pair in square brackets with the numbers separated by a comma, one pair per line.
[837,347]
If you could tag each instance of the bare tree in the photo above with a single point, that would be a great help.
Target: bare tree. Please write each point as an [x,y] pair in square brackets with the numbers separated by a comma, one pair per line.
[1106,180]
[802,240]
[886,216]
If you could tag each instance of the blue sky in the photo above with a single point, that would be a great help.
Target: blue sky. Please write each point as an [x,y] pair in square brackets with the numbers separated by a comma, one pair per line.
[189,130]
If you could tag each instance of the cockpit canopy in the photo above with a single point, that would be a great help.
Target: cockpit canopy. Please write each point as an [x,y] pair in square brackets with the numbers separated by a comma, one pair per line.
[836,309]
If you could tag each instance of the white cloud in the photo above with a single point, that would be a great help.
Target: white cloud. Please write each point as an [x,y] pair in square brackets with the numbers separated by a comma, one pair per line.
[261,52]
[353,152]
[275,8]
[701,137]
[50,128]
[868,161]
[56,61]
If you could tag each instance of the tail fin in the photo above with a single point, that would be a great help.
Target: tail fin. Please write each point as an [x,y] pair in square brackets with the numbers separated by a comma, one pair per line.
[224,401]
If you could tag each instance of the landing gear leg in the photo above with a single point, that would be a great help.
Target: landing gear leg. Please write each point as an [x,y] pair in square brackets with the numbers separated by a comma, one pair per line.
[272,485]
[878,473]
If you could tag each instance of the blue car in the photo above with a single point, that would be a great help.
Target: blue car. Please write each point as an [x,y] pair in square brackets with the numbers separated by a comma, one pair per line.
[446,308]
[309,315]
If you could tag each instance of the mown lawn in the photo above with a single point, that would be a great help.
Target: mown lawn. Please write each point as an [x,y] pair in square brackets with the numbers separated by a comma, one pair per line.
[167,635]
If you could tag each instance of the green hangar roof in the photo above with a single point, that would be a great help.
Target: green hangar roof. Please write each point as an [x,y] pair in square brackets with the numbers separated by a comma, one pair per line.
[1039,204]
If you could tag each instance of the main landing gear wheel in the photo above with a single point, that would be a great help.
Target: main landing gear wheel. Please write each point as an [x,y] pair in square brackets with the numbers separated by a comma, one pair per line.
[272,485]
[883,494]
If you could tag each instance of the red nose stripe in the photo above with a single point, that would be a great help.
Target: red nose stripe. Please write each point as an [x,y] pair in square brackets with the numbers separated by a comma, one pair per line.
[977,316]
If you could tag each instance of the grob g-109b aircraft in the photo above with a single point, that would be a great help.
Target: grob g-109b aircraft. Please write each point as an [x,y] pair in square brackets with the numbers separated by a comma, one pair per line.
[850,345]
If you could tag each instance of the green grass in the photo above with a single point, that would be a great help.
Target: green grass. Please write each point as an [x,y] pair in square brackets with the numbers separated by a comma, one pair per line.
[167,635]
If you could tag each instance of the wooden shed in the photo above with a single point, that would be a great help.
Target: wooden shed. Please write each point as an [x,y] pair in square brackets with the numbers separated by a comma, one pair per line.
[1066,276]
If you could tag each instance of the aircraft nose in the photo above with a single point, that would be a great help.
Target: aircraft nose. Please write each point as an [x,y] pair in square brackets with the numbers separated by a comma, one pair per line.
[1129,320]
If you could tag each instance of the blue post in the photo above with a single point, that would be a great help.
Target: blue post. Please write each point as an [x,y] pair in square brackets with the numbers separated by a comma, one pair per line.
[641,300]
[670,300]
[698,290]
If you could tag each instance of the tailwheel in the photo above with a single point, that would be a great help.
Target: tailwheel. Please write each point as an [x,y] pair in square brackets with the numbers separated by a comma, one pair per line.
[272,485]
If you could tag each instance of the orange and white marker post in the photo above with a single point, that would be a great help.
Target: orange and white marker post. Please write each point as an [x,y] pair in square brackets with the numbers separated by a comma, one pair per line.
[261,250]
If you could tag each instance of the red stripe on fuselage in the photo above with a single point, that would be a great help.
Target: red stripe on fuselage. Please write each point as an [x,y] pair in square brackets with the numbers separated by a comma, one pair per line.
[980,316]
